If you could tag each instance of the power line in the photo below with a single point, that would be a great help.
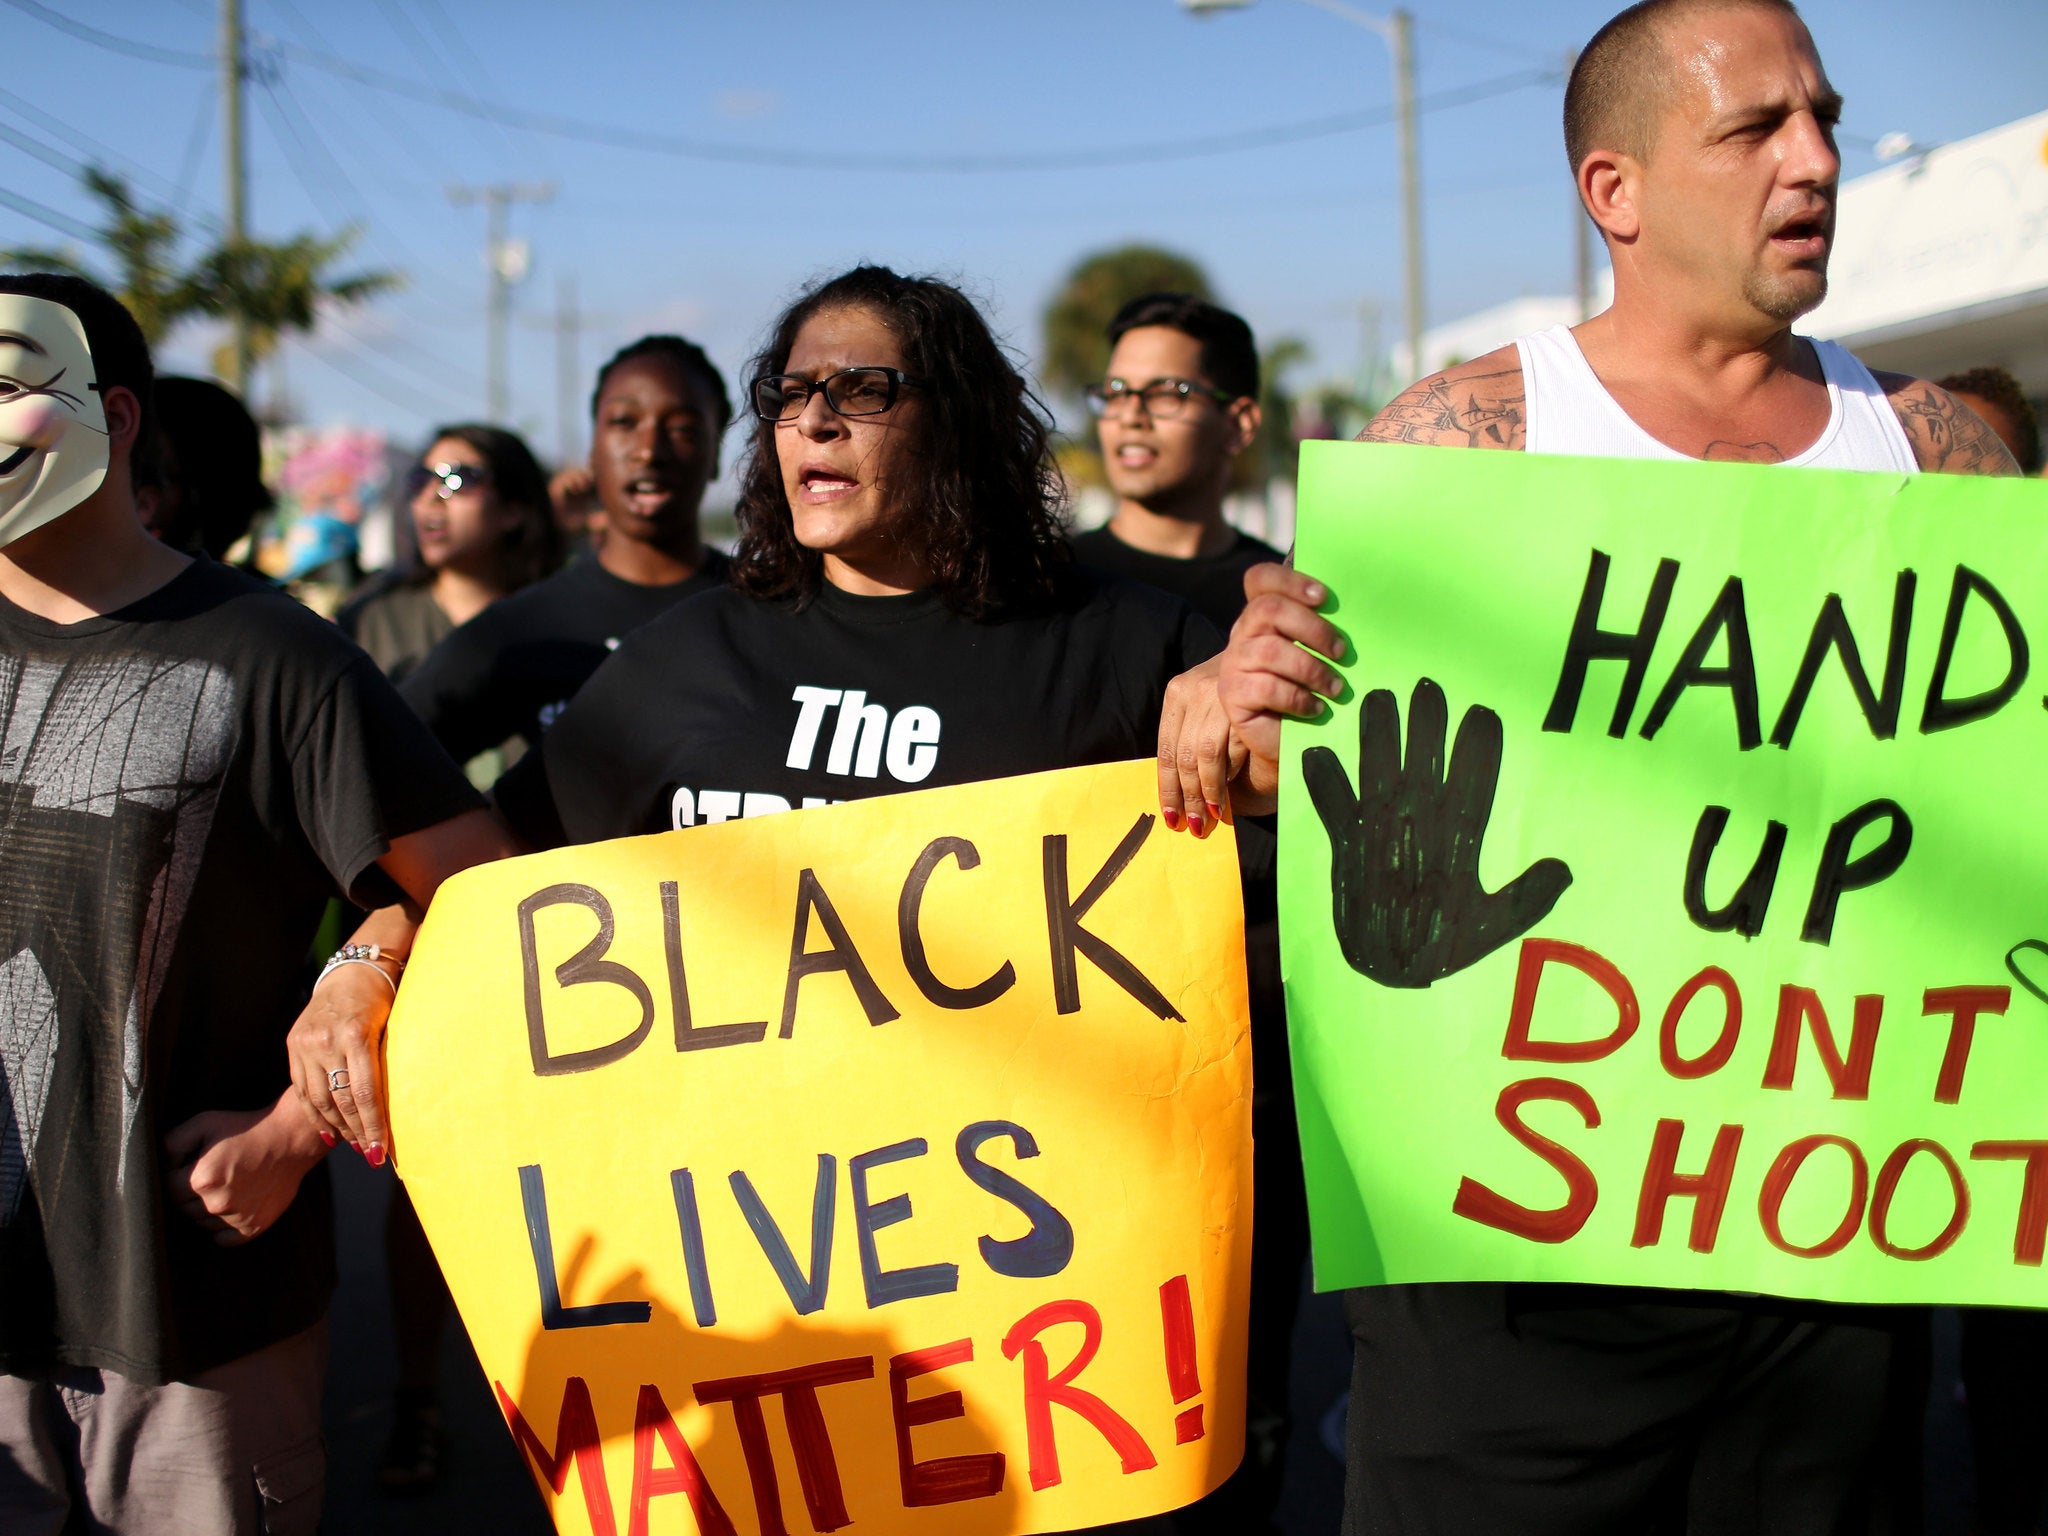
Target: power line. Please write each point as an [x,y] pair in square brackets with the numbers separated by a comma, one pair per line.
[99,153]
[389,345]
[386,388]
[416,147]
[415,42]
[286,117]
[54,158]
[63,223]
[612,137]
[809,160]
[195,145]
[113,42]
[454,44]
[1490,44]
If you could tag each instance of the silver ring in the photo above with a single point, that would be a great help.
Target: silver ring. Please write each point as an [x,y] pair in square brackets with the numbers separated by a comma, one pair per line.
[337,1079]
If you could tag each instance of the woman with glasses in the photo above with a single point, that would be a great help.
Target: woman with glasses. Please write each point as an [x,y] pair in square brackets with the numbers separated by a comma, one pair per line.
[483,528]
[903,610]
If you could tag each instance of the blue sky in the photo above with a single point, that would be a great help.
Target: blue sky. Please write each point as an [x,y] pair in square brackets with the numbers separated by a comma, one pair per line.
[1302,236]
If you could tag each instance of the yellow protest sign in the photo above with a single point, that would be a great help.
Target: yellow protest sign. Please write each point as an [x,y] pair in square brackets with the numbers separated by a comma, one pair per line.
[888,1163]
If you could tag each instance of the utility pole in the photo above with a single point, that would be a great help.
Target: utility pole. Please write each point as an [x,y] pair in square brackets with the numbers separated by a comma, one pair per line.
[1582,256]
[235,165]
[505,260]
[1582,225]
[1397,29]
[568,380]
[1400,35]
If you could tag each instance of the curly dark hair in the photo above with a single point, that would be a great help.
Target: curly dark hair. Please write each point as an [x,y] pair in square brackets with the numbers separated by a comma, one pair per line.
[533,548]
[985,507]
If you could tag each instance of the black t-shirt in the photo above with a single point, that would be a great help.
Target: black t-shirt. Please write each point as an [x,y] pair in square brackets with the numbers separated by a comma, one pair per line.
[397,621]
[510,670]
[1212,585]
[734,706]
[183,785]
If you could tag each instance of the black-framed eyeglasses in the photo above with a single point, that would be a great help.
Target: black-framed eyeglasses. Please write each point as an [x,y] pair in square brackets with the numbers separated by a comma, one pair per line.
[446,479]
[1163,399]
[850,392]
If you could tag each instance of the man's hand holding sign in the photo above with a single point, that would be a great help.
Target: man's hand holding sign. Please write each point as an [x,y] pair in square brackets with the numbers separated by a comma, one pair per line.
[887,1164]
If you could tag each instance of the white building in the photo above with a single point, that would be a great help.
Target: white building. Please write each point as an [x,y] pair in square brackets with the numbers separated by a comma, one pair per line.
[1941,262]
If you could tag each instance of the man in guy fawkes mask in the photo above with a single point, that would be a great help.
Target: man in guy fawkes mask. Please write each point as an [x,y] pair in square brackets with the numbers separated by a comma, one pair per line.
[53,425]
[190,766]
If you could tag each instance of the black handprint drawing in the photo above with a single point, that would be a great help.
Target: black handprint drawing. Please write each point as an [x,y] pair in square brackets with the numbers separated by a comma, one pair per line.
[1404,850]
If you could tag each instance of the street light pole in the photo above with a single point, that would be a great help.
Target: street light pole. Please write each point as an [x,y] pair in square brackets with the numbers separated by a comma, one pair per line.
[1397,30]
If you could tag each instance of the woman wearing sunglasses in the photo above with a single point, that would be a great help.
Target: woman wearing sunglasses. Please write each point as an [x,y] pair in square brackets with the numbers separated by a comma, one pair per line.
[483,527]
[903,613]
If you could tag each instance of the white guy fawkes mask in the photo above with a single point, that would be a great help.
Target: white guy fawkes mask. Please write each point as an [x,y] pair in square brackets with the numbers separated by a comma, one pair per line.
[54,447]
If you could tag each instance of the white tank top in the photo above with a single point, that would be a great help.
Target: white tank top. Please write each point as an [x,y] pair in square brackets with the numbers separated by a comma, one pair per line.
[1570,411]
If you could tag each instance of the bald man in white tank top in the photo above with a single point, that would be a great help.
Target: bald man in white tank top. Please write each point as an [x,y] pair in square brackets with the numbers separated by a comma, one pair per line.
[1701,132]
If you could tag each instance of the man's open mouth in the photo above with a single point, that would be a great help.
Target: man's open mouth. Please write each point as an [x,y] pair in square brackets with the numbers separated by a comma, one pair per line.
[16,459]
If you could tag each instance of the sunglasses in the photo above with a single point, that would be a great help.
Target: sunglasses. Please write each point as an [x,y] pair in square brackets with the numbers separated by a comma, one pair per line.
[446,479]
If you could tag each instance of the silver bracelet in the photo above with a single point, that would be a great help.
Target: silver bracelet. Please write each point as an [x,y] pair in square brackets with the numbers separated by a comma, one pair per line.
[363,954]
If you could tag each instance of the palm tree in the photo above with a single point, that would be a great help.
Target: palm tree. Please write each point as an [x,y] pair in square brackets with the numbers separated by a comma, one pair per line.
[1075,350]
[274,286]
[141,243]
[279,286]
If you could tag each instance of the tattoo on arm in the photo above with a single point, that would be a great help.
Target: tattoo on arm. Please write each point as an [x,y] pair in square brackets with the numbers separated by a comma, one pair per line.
[1483,411]
[1947,436]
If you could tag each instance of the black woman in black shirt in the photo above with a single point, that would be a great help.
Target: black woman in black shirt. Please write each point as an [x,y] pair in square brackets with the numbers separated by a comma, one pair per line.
[656,420]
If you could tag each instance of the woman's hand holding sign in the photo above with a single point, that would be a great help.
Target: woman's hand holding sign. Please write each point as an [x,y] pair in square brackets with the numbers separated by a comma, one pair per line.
[1404,849]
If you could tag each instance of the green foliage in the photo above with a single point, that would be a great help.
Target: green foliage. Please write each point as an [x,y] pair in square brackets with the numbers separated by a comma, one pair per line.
[278,286]
[274,286]
[1075,352]
[141,244]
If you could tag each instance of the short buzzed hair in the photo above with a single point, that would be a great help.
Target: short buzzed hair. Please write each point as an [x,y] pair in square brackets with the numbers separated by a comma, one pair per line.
[1622,77]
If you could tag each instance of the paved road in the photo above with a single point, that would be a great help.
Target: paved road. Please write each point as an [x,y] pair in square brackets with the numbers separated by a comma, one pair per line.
[486,1490]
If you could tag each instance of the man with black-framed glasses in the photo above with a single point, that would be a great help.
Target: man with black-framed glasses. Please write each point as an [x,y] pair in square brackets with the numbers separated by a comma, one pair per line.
[1178,406]
[1180,403]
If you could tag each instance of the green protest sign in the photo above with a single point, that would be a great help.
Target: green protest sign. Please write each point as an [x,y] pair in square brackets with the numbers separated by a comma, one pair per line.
[1667,901]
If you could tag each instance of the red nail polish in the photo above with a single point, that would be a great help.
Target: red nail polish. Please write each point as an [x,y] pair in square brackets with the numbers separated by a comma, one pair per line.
[1215,810]
[328,1137]
[1194,823]
[374,1155]
[1172,820]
